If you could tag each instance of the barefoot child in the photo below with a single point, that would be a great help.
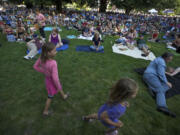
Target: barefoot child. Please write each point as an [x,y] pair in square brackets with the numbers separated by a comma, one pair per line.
[48,66]
[115,107]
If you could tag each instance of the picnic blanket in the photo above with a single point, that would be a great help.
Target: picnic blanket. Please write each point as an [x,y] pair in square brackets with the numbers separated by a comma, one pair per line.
[86,48]
[87,38]
[71,36]
[135,53]
[51,28]
[62,48]
[174,80]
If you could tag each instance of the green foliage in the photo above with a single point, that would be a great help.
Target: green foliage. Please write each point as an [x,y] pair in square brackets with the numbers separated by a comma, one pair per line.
[145,4]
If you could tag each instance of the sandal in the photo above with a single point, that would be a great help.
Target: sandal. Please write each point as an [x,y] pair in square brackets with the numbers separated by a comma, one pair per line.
[84,118]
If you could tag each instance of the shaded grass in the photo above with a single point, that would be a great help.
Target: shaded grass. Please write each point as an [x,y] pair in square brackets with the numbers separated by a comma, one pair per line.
[88,77]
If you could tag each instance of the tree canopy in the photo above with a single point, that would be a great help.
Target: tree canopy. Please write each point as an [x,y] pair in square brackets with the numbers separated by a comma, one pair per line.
[127,5]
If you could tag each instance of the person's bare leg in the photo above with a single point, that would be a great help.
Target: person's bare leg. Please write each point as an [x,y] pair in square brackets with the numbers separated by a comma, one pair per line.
[145,51]
[64,96]
[48,102]
[92,116]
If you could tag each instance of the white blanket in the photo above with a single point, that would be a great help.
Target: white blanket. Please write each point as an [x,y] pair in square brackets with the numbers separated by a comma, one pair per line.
[135,53]
[86,38]
[171,47]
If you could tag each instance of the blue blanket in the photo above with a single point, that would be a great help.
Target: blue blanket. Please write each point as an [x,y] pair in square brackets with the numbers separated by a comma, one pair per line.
[62,48]
[86,48]
[71,36]
[50,29]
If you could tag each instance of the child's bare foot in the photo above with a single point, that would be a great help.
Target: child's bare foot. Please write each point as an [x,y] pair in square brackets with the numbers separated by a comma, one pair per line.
[66,96]
[47,113]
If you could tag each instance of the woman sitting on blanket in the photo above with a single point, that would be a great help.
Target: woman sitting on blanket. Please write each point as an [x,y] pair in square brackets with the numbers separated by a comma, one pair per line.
[20,31]
[96,43]
[155,78]
[55,38]
[142,45]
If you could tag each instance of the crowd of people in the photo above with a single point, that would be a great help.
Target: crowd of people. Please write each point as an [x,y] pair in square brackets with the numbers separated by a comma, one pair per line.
[21,25]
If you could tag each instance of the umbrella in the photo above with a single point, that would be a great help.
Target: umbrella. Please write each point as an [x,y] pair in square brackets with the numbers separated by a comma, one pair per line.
[168,11]
[153,11]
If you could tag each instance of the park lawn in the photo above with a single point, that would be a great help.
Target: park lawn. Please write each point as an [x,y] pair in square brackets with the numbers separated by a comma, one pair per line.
[88,77]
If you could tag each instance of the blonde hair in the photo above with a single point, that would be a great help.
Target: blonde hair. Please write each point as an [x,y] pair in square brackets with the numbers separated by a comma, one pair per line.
[122,90]
[46,48]
[55,30]
[96,35]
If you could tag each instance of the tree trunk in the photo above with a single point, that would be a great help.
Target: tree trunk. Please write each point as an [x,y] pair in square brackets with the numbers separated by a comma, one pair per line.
[127,11]
[28,5]
[103,6]
[41,6]
[58,5]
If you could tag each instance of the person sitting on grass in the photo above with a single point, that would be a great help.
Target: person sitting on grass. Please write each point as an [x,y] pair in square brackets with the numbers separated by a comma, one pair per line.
[9,33]
[155,36]
[33,47]
[142,45]
[55,38]
[86,31]
[96,43]
[7,30]
[176,42]
[115,107]
[131,39]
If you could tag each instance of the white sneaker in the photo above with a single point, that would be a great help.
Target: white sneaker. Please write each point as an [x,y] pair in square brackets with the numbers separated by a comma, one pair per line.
[18,40]
[31,57]
[26,57]
[115,132]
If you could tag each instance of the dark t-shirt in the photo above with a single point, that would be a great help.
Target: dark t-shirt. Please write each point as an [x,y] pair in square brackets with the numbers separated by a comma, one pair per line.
[96,42]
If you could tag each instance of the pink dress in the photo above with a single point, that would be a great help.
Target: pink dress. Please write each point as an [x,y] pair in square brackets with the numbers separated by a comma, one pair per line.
[49,69]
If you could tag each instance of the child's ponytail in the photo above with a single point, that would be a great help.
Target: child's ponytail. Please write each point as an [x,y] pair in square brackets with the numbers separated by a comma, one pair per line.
[46,48]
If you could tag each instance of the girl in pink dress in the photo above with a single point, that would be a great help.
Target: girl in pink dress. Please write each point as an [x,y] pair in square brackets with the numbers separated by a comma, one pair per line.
[48,66]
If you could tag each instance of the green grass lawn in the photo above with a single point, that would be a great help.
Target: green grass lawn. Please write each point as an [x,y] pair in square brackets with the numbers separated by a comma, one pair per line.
[88,77]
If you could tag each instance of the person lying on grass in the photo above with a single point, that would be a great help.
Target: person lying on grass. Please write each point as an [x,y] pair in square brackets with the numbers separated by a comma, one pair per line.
[115,107]
[154,76]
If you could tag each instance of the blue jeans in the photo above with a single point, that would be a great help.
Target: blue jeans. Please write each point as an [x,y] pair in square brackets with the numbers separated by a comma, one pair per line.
[94,47]
[158,87]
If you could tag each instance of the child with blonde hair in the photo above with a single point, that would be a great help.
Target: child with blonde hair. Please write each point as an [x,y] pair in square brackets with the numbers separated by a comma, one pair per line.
[96,43]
